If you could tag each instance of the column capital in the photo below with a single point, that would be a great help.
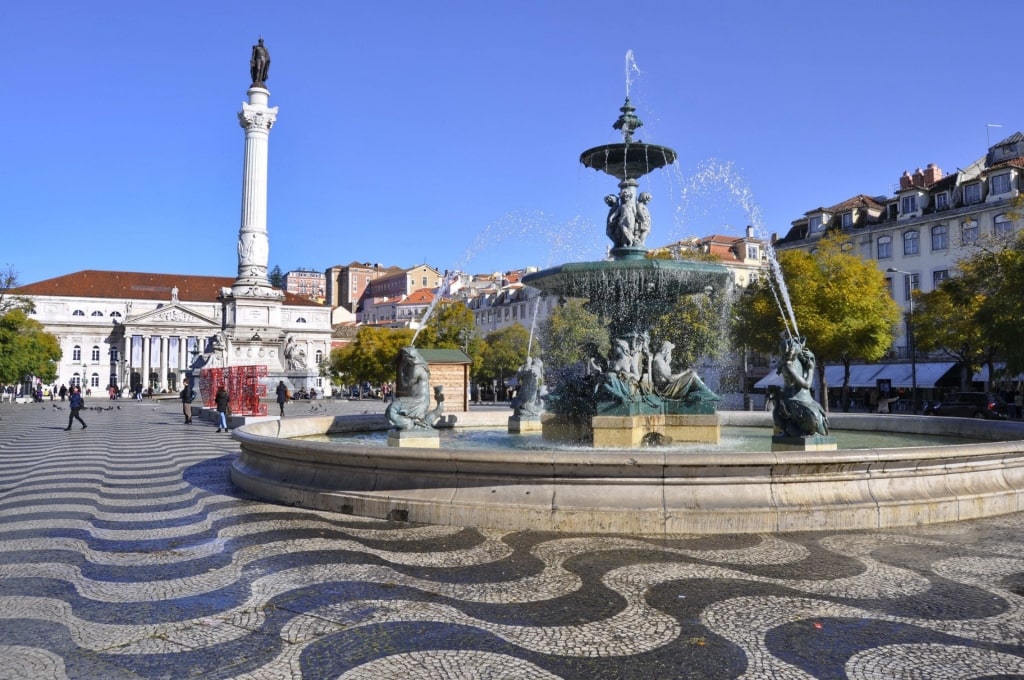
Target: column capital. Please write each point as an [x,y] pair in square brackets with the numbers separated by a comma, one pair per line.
[256,117]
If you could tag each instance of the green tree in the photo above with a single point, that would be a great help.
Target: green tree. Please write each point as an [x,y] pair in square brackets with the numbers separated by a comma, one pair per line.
[696,326]
[995,274]
[26,348]
[371,358]
[568,332]
[945,321]
[504,352]
[452,326]
[275,277]
[841,306]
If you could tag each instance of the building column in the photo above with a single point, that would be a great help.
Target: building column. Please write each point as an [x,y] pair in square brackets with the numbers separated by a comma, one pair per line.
[182,357]
[162,381]
[144,371]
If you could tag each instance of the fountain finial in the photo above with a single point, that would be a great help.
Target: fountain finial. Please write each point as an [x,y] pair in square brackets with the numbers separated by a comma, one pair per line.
[627,122]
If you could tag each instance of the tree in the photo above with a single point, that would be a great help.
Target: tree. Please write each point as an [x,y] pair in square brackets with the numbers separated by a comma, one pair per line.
[371,358]
[945,321]
[567,332]
[276,277]
[26,349]
[452,326]
[995,275]
[8,299]
[695,326]
[505,352]
[840,302]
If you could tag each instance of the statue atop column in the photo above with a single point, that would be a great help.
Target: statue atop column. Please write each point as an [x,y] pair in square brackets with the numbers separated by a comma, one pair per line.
[259,64]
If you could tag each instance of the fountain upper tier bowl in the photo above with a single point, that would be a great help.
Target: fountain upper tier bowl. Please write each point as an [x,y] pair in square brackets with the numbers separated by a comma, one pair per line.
[628,160]
[623,287]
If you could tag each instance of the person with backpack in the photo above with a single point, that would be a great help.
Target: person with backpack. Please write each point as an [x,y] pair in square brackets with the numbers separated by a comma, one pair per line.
[77,403]
[187,395]
[222,399]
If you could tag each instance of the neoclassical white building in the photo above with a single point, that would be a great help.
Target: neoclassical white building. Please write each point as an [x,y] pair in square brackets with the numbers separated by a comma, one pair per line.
[127,329]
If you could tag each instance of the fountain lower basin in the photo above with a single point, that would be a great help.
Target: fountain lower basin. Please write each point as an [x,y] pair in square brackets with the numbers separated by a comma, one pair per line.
[642,491]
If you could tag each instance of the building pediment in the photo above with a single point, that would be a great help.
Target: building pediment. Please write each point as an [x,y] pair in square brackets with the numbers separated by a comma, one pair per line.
[172,315]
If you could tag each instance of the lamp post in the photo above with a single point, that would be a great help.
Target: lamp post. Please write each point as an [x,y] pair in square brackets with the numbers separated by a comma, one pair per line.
[911,345]
[85,374]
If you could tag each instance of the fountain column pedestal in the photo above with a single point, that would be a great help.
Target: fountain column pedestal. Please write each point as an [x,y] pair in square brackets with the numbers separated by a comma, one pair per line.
[634,431]
[814,442]
[419,439]
[524,424]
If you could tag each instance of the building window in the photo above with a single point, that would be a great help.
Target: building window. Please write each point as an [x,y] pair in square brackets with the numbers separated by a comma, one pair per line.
[969,232]
[301,319]
[847,220]
[939,276]
[884,247]
[76,353]
[424,281]
[78,312]
[910,243]
[940,237]
[972,193]
[116,314]
[319,357]
[865,249]
[910,283]
[815,224]
[1000,184]
[1002,226]
[95,353]
[95,380]
[942,201]
[97,313]
[753,252]
[888,285]
[115,355]
[908,205]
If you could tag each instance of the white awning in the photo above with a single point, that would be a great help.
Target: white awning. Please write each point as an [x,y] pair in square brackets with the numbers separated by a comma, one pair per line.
[866,375]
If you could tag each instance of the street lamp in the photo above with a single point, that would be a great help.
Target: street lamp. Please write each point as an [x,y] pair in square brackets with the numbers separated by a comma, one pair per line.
[911,345]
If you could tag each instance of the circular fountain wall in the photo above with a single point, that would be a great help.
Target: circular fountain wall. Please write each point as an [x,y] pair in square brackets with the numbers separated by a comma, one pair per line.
[642,491]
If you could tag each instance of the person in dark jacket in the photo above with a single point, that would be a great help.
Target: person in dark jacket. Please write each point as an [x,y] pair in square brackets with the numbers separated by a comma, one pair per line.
[222,399]
[76,402]
[186,402]
[282,395]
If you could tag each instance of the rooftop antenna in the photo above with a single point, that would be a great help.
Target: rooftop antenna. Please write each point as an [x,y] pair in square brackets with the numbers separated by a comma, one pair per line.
[989,126]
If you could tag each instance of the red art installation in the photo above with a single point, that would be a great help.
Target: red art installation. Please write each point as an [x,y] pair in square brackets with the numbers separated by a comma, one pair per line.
[242,383]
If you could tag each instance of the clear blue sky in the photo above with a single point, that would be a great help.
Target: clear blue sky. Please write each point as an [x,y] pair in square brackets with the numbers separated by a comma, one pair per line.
[450,132]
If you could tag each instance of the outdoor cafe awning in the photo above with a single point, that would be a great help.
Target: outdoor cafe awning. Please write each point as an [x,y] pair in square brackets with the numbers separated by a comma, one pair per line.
[866,375]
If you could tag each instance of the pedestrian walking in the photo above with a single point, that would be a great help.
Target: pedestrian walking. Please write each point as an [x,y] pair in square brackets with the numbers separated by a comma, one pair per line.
[76,402]
[282,395]
[186,402]
[63,392]
[223,399]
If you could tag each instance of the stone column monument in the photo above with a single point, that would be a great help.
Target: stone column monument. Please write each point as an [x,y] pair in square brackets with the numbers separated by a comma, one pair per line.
[256,117]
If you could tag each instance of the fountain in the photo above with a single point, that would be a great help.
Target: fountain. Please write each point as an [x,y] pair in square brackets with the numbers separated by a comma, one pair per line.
[633,397]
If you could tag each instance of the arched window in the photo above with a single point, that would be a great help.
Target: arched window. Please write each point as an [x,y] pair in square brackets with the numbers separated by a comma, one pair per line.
[1002,226]
[884,247]
[78,312]
[95,353]
[301,319]
[97,313]
[116,314]
[969,232]
[94,381]
[76,353]
[910,242]
[319,356]
[940,237]
[76,379]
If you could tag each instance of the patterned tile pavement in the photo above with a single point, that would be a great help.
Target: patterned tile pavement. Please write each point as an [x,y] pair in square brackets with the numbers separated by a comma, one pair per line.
[126,553]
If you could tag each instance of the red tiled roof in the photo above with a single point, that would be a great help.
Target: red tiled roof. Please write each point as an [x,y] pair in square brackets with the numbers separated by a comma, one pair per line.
[91,283]
[419,297]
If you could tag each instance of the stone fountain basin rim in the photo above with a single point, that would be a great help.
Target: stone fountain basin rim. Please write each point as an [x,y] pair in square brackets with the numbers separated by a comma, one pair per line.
[642,492]
[267,432]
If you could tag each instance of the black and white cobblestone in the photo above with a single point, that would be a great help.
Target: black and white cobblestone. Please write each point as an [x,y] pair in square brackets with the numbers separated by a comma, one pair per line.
[125,552]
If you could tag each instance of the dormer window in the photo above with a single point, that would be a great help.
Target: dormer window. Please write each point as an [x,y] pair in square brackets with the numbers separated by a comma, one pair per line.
[942,201]
[908,205]
[815,224]
[1000,184]
[753,252]
[972,193]
[847,220]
